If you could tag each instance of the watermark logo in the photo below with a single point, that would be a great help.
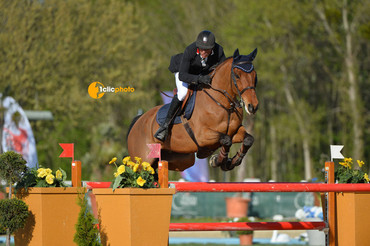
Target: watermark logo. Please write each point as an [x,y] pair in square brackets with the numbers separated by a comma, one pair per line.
[94,90]
[97,90]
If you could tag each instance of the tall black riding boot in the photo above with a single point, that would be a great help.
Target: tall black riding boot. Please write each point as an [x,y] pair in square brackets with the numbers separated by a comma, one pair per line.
[162,132]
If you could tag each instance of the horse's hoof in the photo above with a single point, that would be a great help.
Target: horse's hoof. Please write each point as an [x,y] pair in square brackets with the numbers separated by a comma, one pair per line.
[224,167]
[227,166]
[237,162]
[213,161]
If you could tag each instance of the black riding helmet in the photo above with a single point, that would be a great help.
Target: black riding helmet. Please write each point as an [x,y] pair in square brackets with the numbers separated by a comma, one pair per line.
[205,40]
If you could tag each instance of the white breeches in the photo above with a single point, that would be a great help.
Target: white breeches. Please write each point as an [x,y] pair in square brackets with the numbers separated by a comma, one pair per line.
[182,88]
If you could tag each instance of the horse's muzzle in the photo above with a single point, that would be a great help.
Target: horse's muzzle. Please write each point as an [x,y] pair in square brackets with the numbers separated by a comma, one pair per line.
[251,109]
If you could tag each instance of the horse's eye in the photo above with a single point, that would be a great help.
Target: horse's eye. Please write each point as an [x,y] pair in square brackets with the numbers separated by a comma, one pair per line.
[237,76]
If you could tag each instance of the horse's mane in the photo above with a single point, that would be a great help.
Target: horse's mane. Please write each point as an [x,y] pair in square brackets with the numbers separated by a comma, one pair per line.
[219,65]
[224,62]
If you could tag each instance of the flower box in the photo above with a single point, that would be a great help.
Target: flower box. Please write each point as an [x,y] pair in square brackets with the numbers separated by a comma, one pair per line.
[353,218]
[54,213]
[134,216]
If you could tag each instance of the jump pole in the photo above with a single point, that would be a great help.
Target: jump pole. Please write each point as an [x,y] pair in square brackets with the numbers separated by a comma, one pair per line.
[247,226]
[267,187]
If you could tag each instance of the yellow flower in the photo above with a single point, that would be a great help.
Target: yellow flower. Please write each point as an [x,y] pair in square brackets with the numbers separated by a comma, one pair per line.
[151,170]
[145,165]
[346,163]
[360,163]
[126,159]
[50,179]
[121,169]
[131,163]
[116,174]
[58,174]
[366,177]
[41,172]
[349,160]
[140,181]
[135,167]
[48,171]
[138,160]
[113,160]
[343,163]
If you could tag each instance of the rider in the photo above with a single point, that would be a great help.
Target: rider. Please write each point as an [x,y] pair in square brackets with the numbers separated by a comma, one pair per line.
[191,68]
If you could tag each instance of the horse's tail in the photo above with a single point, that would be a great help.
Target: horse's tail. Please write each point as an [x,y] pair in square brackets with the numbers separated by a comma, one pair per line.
[132,124]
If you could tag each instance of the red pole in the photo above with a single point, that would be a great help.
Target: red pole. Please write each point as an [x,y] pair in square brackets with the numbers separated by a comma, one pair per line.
[268,187]
[247,226]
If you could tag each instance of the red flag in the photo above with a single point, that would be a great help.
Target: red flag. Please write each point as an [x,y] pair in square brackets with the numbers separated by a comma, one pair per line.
[68,150]
[155,151]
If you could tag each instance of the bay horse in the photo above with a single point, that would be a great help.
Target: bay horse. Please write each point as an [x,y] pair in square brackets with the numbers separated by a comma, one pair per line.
[215,122]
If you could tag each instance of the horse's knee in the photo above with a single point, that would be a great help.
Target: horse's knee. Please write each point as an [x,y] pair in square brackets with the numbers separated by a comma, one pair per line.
[226,140]
[248,141]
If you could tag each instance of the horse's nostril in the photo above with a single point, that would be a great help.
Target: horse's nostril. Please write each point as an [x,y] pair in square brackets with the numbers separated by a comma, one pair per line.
[250,108]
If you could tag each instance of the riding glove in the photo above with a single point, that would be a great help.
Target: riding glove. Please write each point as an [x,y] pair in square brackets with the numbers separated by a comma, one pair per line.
[204,79]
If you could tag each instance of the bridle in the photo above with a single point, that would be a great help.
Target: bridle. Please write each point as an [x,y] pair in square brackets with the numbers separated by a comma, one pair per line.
[233,76]
[234,104]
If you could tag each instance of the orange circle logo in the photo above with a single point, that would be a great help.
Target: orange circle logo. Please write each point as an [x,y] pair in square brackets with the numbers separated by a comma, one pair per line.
[95,90]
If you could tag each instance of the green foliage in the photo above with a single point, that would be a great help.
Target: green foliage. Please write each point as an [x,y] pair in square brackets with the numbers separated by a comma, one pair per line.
[2,230]
[42,177]
[87,234]
[347,173]
[55,50]
[13,214]
[136,174]
[12,165]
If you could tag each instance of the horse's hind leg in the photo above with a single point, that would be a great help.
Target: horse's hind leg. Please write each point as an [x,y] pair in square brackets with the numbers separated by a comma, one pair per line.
[222,158]
[246,144]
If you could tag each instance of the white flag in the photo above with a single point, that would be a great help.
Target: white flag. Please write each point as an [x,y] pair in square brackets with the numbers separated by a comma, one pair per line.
[335,152]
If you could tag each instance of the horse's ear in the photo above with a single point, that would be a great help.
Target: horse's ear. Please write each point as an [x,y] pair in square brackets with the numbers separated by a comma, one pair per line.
[236,53]
[253,54]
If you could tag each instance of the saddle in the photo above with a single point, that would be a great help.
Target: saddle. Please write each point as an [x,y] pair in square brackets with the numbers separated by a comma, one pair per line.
[186,110]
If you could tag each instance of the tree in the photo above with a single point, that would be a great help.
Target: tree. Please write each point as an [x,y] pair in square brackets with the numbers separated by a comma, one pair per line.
[14,212]
[87,234]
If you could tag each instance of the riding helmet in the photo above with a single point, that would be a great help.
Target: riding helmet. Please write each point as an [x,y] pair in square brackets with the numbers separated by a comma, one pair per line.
[206,40]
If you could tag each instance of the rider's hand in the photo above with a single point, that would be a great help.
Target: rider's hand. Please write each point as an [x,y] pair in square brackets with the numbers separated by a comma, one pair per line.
[204,79]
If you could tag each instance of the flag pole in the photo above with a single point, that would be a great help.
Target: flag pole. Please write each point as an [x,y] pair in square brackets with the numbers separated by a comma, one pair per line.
[68,151]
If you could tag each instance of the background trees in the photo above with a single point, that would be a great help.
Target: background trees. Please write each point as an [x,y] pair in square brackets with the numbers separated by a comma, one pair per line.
[313,70]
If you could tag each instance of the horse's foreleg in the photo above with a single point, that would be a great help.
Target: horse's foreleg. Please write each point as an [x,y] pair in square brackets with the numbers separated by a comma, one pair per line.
[246,144]
[222,158]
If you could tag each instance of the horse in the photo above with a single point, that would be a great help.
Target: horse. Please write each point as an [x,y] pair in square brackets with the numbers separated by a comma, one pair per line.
[215,122]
